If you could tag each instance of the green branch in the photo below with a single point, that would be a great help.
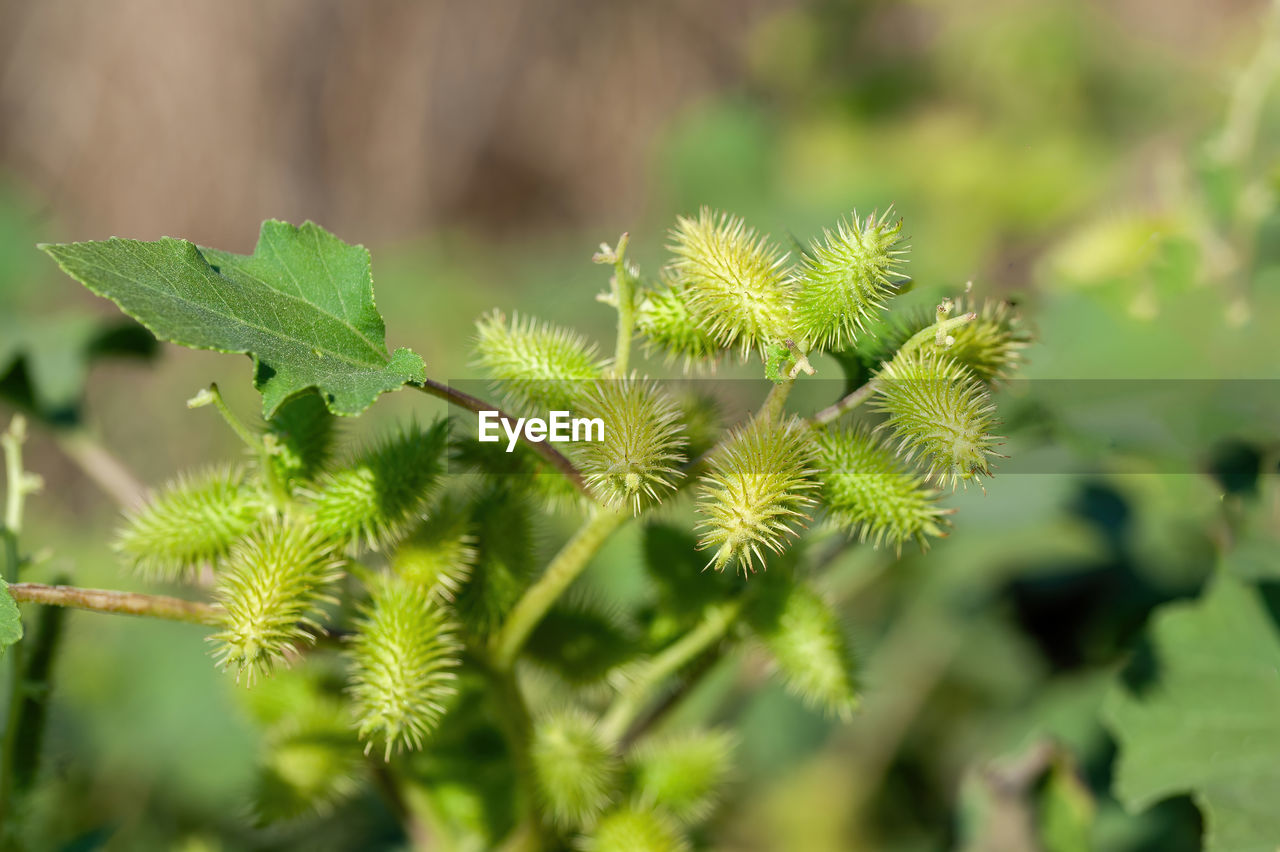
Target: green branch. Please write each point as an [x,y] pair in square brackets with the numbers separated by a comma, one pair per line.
[560,573]
[627,707]
[938,334]
[623,298]
[18,484]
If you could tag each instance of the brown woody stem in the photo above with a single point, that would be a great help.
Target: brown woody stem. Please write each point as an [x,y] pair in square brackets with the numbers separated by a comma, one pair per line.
[107,600]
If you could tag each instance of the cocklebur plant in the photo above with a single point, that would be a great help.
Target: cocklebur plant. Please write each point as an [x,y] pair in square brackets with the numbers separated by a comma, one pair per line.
[395,587]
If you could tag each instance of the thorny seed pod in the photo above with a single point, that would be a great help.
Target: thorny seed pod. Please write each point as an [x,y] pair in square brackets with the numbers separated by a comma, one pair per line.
[506,544]
[845,280]
[194,522]
[302,429]
[439,554]
[576,771]
[992,344]
[669,326]
[377,499]
[939,410]
[867,490]
[635,828]
[309,763]
[812,653]
[683,773]
[403,656]
[274,582]
[538,365]
[757,488]
[638,460]
[735,282]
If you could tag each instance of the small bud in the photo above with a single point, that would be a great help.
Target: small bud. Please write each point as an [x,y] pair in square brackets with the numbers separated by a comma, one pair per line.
[200,400]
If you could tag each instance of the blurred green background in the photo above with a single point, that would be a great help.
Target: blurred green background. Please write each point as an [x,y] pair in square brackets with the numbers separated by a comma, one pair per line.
[1111,166]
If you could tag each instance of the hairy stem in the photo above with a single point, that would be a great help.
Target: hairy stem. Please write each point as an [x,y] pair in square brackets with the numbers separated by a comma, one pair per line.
[124,603]
[41,648]
[471,403]
[243,432]
[776,401]
[563,570]
[628,706]
[935,334]
[18,483]
[15,695]
[624,294]
[275,485]
[838,409]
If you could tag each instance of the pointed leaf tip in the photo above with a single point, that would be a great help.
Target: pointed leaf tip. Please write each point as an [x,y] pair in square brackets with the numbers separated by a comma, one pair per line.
[301,306]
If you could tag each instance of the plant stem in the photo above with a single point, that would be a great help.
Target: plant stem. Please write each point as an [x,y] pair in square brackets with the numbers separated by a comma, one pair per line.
[1236,141]
[471,403]
[930,335]
[624,294]
[280,495]
[776,401]
[563,570]
[243,432]
[28,725]
[517,726]
[101,466]
[626,708]
[17,486]
[108,600]
[18,483]
[417,830]
[849,403]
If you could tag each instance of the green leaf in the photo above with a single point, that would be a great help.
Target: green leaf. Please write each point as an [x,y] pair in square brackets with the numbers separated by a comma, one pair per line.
[1208,724]
[10,619]
[301,306]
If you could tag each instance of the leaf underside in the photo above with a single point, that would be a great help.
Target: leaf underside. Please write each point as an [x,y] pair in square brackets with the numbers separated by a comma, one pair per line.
[301,306]
[1208,724]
